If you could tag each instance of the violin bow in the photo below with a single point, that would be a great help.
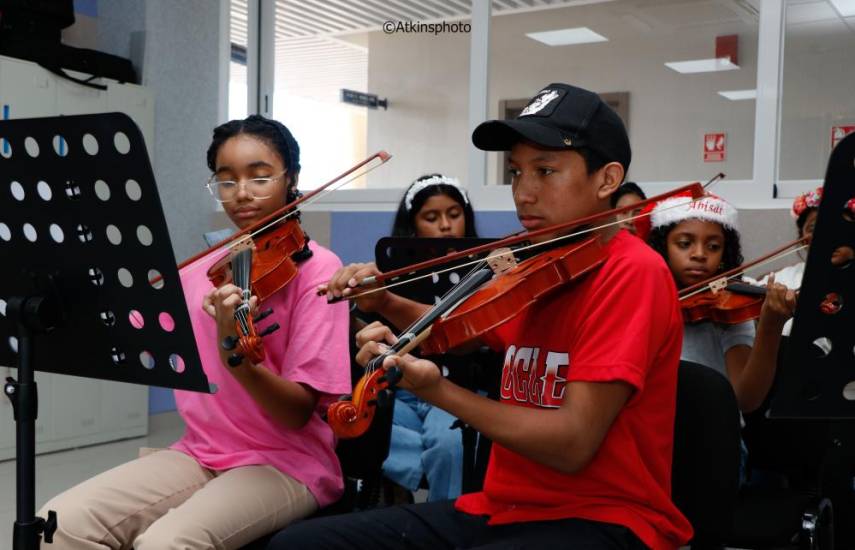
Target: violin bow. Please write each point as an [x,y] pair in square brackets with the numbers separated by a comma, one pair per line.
[392,278]
[293,207]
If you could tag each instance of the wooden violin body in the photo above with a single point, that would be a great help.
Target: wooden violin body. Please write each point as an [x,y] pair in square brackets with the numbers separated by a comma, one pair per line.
[724,307]
[477,305]
[265,265]
[509,293]
[273,266]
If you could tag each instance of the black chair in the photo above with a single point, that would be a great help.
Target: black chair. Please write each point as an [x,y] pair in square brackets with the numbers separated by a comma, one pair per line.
[705,478]
[705,468]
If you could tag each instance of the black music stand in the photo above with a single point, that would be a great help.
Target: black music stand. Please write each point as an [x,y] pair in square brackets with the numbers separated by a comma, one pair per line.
[817,378]
[397,252]
[470,370]
[90,285]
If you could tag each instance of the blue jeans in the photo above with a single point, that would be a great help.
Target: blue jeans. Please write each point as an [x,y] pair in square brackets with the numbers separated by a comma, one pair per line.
[424,445]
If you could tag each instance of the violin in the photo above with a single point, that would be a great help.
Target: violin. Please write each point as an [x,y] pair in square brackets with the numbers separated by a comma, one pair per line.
[514,289]
[498,289]
[262,260]
[728,302]
[736,304]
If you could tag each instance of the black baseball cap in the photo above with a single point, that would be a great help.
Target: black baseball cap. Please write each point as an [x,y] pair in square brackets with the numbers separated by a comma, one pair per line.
[561,116]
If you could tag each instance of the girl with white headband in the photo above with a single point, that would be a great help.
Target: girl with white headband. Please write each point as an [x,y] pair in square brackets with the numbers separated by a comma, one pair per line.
[435,206]
[422,445]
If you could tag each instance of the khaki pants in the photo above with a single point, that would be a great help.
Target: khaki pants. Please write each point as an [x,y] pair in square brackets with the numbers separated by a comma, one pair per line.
[166,500]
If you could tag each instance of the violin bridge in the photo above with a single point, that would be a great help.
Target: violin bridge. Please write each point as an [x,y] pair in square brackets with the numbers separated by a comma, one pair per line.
[243,243]
[718,284]
[502,260]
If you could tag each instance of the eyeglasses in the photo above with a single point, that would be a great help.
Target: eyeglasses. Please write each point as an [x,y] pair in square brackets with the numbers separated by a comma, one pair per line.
[257,188]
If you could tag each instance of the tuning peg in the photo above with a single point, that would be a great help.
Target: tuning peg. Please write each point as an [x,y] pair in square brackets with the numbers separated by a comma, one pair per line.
[264,314]
[229,343]
[235,359]
[393,376]
[346,397]
[385,398]
[272,328]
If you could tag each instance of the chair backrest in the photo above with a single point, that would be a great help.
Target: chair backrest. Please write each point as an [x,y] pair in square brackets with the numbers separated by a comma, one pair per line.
[213,237]
[705,471]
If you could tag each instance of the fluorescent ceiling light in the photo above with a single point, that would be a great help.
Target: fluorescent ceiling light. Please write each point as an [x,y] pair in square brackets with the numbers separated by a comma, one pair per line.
[846,8]
[566,37]
[736,95]
[702,65]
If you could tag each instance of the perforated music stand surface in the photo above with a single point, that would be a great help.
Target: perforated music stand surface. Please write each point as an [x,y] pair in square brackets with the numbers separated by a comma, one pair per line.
[813,383]
[78,201]
[396,252]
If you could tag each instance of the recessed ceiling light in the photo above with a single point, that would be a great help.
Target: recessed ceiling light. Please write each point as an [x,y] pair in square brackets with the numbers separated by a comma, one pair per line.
[702,65]
[846,8]
[737,95]
[566,37]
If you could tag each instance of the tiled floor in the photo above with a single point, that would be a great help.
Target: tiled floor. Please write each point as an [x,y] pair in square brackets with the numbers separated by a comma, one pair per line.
[56,472]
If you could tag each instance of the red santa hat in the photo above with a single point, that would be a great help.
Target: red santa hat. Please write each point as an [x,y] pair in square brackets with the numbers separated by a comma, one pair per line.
[681,207]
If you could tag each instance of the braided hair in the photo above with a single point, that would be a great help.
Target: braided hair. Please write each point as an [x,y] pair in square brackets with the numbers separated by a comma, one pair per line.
[279,138]
[273,133]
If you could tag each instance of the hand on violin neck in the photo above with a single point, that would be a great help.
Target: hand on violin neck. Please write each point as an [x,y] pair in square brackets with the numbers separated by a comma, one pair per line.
[220,303]
[346,282]
[417,375]
[779,305]
[375,332]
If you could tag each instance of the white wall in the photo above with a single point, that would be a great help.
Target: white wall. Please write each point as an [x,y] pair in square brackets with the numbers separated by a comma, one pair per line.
[175,49]
[818,84]
[426,80]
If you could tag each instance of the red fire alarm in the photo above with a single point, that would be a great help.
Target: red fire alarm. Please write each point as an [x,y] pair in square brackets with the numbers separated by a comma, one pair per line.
[727,47]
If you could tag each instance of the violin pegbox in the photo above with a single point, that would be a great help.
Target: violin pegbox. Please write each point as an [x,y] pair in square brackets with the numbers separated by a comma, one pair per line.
[501,260]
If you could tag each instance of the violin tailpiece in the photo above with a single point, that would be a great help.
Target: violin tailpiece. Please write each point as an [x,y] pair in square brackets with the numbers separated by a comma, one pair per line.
[502,260]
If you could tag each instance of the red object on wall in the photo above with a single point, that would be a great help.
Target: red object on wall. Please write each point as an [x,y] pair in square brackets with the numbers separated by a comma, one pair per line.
[727,46]
[715,147]
[840,132]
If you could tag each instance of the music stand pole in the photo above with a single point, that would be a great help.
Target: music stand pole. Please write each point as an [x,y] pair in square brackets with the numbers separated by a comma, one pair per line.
[30,315]
[95,291]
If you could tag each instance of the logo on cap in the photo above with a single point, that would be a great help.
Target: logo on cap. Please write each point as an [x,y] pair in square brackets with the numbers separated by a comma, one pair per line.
[540,102]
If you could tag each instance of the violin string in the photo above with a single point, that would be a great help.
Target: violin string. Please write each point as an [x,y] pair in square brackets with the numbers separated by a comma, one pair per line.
[742,272]
[241,266]
[415,327]
[500,254]
[310,200]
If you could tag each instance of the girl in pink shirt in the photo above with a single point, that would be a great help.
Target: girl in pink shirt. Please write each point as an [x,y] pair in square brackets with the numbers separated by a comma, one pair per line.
[256,454]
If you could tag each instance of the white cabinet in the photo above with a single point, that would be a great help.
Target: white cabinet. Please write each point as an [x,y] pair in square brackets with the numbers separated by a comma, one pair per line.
[74,411]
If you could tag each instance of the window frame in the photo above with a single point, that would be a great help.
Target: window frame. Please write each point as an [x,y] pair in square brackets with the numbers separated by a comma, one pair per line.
[763,190]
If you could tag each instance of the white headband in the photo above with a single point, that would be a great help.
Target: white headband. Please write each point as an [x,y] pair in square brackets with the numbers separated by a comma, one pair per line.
[417,187]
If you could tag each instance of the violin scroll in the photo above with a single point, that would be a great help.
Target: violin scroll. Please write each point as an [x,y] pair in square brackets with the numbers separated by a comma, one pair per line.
[351,416]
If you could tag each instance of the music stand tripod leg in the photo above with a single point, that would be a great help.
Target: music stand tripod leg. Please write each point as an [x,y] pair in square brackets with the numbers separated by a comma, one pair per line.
[29,315]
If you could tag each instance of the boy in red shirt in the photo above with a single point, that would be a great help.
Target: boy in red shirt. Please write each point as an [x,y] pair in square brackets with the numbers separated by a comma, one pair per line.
[583,433]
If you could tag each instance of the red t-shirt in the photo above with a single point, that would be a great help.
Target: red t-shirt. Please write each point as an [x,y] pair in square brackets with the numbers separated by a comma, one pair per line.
[619,323]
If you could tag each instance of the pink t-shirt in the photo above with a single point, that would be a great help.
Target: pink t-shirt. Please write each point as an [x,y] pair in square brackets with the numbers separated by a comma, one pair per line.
[228,429]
